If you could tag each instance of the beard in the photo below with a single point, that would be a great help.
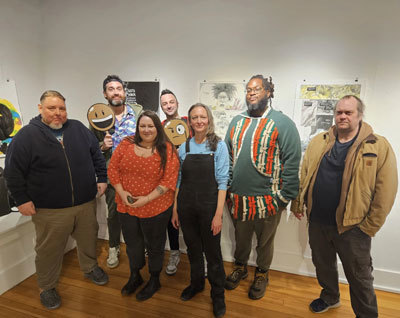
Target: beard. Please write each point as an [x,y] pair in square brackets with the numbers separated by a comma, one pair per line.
[56,126]
[116,103]
[258,107]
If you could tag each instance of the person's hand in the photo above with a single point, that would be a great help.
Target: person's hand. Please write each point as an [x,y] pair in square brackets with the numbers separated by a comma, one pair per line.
[298,215]
[101,188]
[107,142]
[140,201]
[216,224]
[27,208]
[124,196]
[175,219]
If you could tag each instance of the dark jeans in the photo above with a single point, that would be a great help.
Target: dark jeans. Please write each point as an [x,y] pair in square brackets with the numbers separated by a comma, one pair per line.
[145,232]
[114,227]
[354,250]
[195,218]
[173,234]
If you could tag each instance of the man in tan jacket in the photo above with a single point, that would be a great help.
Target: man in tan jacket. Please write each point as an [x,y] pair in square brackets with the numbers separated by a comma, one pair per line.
[348,185]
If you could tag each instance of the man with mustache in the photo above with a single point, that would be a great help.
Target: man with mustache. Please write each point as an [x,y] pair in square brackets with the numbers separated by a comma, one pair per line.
[54,169]
[348,185]
[125,125]
[264,147]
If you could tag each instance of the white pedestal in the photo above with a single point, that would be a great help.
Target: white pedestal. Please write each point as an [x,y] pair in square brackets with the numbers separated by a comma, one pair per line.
[17,255]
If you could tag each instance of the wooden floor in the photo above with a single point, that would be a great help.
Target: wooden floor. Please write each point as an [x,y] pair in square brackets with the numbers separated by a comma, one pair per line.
[287,296]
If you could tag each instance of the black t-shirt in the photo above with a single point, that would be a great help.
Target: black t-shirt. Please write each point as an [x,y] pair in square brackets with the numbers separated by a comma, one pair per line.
[328,184]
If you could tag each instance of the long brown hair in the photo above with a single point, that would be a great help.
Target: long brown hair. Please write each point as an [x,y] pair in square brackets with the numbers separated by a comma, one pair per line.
[211,137]
[160,143]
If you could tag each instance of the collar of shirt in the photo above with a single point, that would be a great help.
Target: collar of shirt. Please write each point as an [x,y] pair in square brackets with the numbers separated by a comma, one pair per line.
[125,127]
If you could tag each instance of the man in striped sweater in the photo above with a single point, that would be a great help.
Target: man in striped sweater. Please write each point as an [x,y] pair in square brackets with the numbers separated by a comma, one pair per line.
[264,148]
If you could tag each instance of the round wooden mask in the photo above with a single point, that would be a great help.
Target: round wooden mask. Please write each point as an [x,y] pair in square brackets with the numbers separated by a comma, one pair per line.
[177,131]
[101,117]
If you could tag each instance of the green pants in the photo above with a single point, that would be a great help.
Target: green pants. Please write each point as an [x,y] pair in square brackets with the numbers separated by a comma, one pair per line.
[53,227]
[265,230]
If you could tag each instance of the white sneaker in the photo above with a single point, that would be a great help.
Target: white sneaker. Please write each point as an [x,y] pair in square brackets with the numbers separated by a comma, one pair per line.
[174,258]
[113,254]
[205,265]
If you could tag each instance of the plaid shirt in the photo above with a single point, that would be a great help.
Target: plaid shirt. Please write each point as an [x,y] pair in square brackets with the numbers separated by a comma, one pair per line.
[124,128]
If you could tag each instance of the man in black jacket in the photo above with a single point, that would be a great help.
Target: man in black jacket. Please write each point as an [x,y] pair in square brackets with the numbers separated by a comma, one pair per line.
[54,169]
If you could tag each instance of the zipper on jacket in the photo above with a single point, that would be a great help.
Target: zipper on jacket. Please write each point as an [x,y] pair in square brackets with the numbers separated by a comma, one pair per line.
[70,174]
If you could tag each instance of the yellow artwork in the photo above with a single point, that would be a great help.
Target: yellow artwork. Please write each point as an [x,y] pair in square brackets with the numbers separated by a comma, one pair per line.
[10,123]
[329,91]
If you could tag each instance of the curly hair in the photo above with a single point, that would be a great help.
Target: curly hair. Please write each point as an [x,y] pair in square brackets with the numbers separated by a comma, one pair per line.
[267,84]
[228,88]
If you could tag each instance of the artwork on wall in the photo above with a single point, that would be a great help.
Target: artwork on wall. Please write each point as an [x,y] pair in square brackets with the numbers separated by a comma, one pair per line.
[10,115]
[315,104]
[226,100]
[146,94]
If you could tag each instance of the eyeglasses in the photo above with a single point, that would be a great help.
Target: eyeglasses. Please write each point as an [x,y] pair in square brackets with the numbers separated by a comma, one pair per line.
[255,90]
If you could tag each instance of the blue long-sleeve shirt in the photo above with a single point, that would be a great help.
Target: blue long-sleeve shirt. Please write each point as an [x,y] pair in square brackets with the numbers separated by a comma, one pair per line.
[221,160]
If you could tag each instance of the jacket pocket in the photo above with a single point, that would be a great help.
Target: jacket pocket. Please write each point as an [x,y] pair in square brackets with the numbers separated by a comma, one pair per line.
[369,154]
[361,190]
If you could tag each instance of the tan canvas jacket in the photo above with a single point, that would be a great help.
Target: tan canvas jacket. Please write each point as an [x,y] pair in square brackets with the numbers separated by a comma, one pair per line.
[369,184]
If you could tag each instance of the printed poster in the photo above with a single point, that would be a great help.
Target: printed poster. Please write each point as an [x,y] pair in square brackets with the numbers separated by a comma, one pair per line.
[146,94]
[226,100]
[314,107]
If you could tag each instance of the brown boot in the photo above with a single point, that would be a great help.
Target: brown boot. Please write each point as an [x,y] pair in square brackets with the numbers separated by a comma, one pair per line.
[233,279]
[260,283]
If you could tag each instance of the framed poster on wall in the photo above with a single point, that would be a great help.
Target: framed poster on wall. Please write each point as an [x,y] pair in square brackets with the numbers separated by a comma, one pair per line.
[146,94]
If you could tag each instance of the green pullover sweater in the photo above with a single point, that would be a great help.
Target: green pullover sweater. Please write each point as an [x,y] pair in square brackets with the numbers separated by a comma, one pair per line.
[265,155]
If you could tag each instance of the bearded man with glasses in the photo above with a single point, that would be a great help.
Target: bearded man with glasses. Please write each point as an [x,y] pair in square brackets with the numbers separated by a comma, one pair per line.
[264,148]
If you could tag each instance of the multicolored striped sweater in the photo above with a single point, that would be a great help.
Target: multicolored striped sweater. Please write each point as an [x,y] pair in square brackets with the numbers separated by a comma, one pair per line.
[264,155]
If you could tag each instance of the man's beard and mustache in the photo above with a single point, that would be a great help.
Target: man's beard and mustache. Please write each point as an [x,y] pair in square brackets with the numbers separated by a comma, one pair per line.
[115,102]
[56,126]
[257,109]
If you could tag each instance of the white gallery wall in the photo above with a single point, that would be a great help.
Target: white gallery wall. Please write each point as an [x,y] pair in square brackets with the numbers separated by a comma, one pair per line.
[72,45]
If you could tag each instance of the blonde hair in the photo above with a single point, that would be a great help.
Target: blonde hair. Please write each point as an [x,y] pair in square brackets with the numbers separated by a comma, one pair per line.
[212,138]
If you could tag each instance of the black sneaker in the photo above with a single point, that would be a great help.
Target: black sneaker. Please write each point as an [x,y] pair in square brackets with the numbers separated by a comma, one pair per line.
[189,292]
[97,276]
[219,307]
[133,283]
[239,272]
[260,283]
[50,299]
[319,306]
[152,286]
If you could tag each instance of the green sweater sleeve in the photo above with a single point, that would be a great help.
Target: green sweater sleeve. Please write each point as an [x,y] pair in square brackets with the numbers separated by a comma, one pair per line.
[290,154]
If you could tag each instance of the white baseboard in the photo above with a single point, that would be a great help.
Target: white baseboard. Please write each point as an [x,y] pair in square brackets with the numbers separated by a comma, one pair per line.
[299,264]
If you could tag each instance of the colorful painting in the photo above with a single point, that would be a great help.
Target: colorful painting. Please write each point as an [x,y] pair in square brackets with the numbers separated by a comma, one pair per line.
[10,116]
